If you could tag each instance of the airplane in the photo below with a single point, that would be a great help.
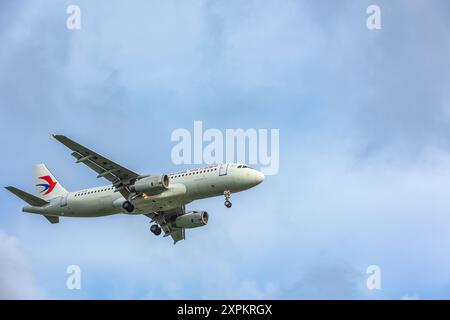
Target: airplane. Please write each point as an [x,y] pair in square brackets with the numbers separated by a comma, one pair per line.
[161,197]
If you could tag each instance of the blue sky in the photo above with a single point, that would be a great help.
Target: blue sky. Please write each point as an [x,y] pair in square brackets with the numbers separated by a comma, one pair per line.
[364,152]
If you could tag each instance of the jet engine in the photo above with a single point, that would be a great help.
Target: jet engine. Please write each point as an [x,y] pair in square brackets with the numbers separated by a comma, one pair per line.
[192,219]
[152,184]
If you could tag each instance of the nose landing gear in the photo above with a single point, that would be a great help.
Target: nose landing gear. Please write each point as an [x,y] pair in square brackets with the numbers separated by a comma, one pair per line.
[155,229]
[227,202]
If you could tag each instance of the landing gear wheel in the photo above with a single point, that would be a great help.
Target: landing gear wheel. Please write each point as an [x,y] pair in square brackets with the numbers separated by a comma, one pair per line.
[128,206]
[227,195]
[155,229]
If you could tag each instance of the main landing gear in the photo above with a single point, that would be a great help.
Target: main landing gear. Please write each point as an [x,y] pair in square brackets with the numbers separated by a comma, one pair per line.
[155,229]
[128,206]
[227,202]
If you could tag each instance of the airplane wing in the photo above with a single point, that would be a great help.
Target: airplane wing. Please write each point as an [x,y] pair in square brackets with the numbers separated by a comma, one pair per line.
[120,177]
[163,218]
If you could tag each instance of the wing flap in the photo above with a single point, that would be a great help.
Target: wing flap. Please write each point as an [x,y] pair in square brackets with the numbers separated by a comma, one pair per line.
[94,166]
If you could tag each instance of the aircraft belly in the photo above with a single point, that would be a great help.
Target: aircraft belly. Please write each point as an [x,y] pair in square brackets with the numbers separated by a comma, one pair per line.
[160,206]
[207,189]
[175,196]
[93,207]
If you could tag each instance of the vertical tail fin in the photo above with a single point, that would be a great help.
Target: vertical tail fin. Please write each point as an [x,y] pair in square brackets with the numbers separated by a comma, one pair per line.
[47,186]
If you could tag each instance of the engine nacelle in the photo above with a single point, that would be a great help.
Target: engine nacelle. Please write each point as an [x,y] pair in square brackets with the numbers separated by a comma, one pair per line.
[152,184]
[192,219]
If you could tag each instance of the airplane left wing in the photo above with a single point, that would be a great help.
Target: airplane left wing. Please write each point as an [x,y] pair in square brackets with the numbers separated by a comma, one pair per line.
[120,176]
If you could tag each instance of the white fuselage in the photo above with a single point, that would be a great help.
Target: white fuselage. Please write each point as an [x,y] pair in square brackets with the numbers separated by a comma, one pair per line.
[184,187]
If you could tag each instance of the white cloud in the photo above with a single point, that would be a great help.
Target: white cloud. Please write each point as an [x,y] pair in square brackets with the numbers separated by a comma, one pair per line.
[16,279]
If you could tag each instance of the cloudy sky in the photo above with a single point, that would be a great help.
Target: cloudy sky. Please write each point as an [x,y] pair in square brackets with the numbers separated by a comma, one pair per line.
[364,119]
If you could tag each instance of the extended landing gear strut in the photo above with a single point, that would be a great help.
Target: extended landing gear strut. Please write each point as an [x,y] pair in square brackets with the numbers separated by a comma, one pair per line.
[155,229]
[128,206]
[227,202]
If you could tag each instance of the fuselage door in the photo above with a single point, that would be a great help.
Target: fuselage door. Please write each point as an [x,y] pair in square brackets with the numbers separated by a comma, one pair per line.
[223,169]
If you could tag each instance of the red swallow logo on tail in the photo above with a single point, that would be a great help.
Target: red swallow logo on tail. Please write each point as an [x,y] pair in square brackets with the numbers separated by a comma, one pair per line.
[48,186]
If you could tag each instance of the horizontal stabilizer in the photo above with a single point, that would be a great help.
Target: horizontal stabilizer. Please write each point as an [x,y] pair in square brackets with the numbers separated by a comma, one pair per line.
[28,198]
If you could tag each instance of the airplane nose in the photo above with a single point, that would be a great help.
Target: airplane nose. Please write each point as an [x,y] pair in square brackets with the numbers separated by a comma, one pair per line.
[259,177]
